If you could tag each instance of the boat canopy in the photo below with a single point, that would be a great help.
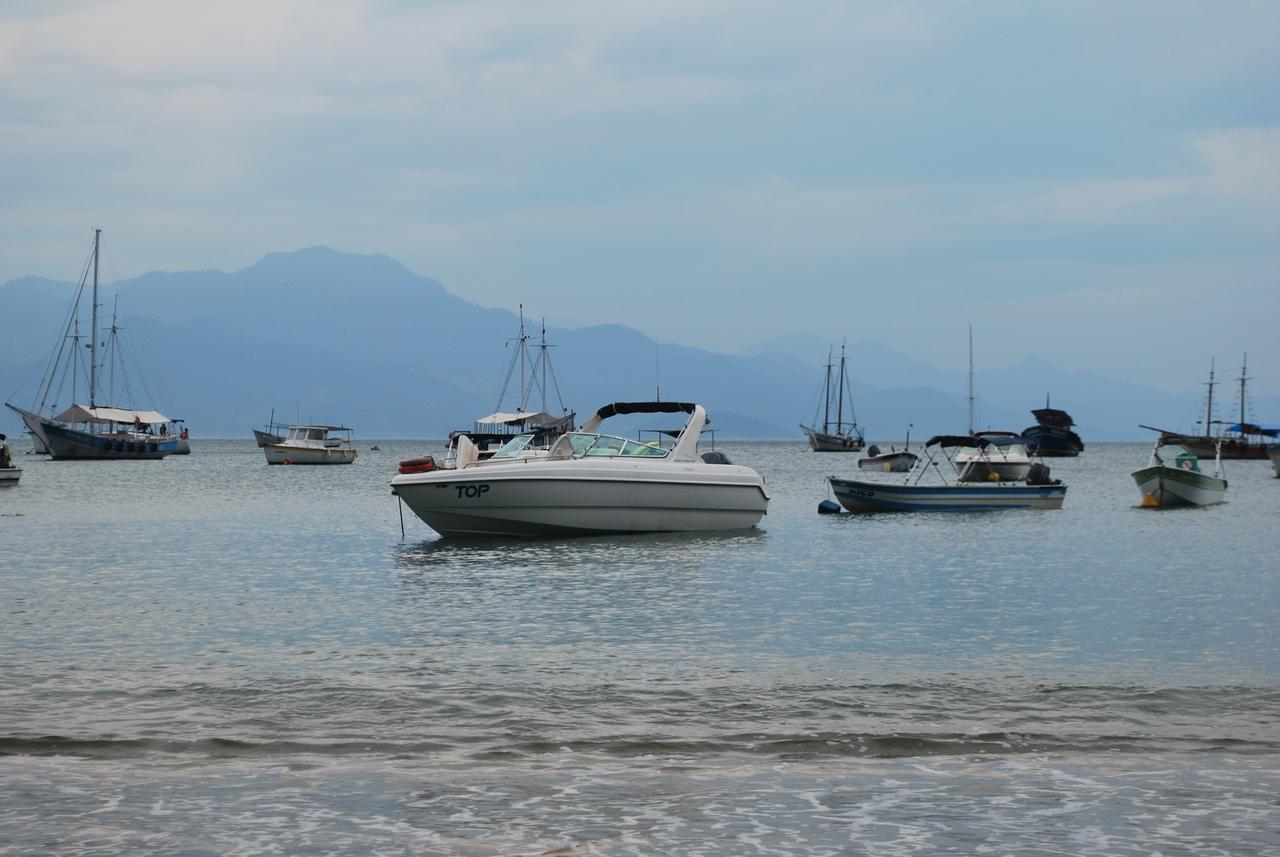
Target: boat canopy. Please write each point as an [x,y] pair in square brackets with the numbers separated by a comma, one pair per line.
[536,418]
[1270,430]
[616,408]
[103,414]
[963,440]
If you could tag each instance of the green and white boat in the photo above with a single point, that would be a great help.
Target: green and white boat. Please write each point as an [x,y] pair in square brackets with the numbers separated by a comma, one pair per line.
[1179,484]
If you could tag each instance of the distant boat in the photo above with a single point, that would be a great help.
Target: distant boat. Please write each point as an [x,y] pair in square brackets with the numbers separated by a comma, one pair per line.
[272,432]
[992,456]
[837,435]
[893,461]
[1273,452]
[954,494]
[489,433]
[10,473]
[95,430]
[1241,440]
[1182,484]
[313,444]
[1051,436]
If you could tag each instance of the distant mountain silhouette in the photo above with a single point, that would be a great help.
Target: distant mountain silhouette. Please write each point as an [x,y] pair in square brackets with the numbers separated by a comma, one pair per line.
[361,340]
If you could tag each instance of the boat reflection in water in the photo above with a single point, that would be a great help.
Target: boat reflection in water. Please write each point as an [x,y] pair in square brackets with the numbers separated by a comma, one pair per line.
[588,483]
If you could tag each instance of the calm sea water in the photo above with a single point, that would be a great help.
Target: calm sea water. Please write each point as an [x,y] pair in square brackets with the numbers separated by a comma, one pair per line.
[207,655]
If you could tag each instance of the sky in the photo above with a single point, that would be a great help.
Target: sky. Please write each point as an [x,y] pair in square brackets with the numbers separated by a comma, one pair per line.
[1096,184]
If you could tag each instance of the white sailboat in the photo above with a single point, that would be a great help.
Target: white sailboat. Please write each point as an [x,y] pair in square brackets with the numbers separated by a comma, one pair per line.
[94,430]
[837,435]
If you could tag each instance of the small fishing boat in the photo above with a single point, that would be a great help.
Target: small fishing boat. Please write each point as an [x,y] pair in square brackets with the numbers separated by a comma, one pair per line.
[835,435]
[272,432]
[1181,484]
[313,444]
[893,461]
[9,472]
[1052,435]
[952,495]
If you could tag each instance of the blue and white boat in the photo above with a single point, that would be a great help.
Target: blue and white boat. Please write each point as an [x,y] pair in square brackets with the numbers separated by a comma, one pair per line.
[952,494]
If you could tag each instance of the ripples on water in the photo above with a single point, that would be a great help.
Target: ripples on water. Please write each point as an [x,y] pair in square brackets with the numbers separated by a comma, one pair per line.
[207,655]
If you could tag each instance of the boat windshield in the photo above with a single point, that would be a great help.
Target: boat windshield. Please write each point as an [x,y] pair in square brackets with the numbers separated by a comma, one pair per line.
[514,447]
[577,445]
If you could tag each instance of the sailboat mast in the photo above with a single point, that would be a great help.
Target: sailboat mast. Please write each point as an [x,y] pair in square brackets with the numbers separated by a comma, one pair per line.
[542,354]
[93,328]
[1208,408]
[840,394]
[971,379]
[521,346]
[826,402]
[1243,363]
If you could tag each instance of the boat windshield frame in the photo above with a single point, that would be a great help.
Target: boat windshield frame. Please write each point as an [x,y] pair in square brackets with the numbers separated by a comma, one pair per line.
[576,444]
[512,448]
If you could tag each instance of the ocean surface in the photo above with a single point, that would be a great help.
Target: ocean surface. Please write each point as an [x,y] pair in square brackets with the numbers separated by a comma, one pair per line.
[207,655]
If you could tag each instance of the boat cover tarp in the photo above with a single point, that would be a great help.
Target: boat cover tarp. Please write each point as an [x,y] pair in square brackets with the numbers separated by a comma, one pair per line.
[962,440]
[103,414]
[537,418]
[1270,430]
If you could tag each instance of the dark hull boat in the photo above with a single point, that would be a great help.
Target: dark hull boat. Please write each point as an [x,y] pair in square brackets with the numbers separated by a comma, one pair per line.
[1240,441]
[1052,435]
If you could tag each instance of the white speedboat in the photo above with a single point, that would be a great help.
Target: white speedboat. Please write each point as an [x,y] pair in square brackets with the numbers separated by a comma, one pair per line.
[1003,458]
[1182,484]
[864,495]
[590,483]
[312,445]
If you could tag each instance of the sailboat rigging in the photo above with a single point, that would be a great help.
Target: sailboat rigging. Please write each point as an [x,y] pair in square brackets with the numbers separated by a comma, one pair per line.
[837,436]
[95,430]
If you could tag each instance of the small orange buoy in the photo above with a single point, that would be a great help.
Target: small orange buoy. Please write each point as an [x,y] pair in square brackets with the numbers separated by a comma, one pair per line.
[287,461]
[1149,501]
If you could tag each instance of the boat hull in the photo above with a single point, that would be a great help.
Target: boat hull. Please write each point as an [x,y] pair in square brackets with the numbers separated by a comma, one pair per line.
[33,422]
[1232,448]
[283,454]
[1162,486]
[862,496]
[827,442]
[1052,442]
[264,437]
[10,475]
[889,462]
[572,498]
[67,444]
[1274,453]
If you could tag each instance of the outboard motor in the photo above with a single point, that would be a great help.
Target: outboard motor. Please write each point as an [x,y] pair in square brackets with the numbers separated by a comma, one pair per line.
[1039,475]
[873,450]
[715,457]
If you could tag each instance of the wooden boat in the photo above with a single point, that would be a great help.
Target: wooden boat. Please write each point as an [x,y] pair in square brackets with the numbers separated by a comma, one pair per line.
[313,444]
[1242,440]
[893,461]
[1181,484]
[954,495]
[272,432]
[837,435]
[1052,436]
[95,430]
[490,433]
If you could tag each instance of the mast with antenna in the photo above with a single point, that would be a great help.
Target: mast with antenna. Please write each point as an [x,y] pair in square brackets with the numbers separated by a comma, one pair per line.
[93,329]
[1243,363]
[970,379]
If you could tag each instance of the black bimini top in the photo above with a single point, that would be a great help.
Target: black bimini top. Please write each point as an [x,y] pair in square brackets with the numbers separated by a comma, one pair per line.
[645,408]
[950,440]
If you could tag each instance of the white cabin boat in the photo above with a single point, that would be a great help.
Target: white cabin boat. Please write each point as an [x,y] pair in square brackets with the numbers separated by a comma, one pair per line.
[590,483]
[312,444]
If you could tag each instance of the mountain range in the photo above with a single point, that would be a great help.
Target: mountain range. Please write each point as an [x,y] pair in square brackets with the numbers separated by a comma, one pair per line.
[327,336]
